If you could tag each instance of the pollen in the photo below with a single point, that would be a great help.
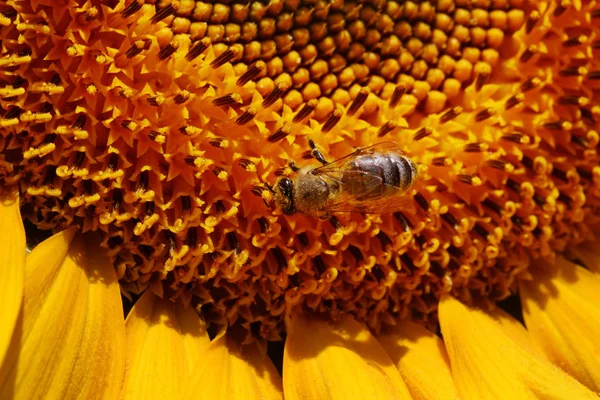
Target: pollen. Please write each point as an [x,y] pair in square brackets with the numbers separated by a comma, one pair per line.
[163,124]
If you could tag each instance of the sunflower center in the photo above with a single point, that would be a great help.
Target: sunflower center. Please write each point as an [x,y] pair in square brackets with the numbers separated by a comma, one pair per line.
[335,48]
[160,124]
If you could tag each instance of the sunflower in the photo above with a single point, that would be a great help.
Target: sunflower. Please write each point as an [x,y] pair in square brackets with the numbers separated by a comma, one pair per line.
[145,135]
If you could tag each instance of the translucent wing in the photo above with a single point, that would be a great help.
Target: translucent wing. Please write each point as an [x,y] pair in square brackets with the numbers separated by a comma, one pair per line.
[341,164]
[368,194]
[362,191]
[373,203]
[384,205]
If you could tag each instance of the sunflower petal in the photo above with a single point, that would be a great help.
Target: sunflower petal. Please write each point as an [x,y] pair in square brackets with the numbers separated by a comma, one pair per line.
[12,265]
[234,372]
[561,307]
[337,361]
[164,341]
[488,363]
[516,331]
[71,335]
[416,352]
[589,255]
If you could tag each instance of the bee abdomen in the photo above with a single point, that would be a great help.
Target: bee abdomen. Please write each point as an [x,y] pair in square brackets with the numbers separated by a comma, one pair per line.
[394,170]
[404,174]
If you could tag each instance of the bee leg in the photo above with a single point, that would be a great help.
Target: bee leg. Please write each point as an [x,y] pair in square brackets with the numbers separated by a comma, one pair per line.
[316,153]
[325,216]
[270,188]
[271,203]
[319,157]
[293,167]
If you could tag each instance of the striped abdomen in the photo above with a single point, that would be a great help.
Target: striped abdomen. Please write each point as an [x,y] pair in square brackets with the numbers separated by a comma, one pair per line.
[395,172]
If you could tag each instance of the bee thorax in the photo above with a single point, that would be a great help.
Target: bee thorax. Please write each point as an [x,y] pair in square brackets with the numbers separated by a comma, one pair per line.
[311,193]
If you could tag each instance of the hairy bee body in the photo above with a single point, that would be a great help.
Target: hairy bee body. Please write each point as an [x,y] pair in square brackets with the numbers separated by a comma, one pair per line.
[396,172]
[370,180]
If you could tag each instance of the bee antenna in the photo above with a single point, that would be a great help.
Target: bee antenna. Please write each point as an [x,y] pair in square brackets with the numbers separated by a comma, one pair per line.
[270,188]
[269,204]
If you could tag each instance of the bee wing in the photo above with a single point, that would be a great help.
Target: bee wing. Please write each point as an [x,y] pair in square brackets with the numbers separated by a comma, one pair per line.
[376,198]
[337,166]
[383,205]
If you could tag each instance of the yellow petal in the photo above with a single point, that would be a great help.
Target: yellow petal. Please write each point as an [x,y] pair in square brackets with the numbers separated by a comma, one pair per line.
[417,353]
[164,341]
[340,360]
[516,331]
[70,338]
[589,255]
[12,265]
[488,363]
[561,308]
[230,371]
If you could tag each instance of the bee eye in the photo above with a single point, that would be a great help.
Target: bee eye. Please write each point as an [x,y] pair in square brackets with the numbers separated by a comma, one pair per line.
[286,186]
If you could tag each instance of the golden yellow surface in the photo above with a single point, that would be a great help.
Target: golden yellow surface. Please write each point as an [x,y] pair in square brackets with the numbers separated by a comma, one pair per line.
[158,124]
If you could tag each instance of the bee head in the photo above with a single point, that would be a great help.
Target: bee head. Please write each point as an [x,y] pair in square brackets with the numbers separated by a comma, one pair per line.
[284,195]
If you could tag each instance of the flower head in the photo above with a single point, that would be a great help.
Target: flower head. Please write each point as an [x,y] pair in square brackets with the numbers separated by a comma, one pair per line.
[160,126]
[78,345]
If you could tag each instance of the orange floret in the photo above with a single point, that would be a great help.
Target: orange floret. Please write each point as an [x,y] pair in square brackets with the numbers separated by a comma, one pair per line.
[158,124]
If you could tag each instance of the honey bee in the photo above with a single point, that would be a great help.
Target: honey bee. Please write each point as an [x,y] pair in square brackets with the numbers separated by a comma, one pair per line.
[371,180]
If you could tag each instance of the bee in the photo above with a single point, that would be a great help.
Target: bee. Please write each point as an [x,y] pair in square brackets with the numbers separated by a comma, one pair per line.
[371,180]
